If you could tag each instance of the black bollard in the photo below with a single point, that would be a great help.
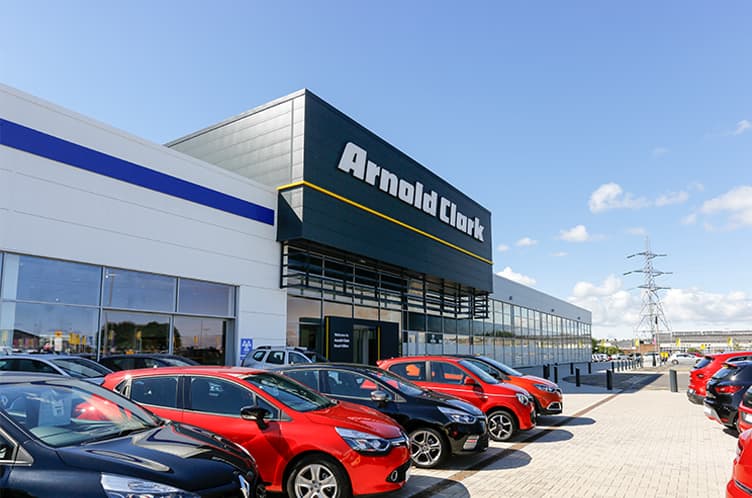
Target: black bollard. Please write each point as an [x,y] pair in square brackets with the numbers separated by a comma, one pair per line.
[653,360]
[674,386]
[589,367]
[613,367]
[577,377]
[609,380]
[571,368]
[556,374]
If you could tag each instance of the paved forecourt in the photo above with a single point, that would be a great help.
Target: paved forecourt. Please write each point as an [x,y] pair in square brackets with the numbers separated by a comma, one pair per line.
[639,440]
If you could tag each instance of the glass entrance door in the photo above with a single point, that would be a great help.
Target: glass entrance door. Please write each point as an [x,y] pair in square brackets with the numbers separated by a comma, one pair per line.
[365,344]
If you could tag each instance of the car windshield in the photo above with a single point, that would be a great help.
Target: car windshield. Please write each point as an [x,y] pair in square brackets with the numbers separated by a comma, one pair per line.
[81,367]
[315,357]
[177,362]
[398,383]
[484,376]
[504,368]
[289,393]
[65,413]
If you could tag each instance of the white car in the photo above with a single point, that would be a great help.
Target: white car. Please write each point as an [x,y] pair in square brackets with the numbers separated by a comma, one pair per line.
[682,359]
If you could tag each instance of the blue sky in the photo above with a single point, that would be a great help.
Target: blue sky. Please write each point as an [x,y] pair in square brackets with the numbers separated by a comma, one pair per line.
[626,118]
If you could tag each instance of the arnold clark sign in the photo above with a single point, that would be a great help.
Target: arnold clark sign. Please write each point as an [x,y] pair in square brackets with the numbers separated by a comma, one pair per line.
[355,161]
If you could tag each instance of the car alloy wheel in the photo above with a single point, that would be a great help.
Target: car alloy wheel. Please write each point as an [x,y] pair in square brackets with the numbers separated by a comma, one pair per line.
[427,447]
[501,425]
[317,477]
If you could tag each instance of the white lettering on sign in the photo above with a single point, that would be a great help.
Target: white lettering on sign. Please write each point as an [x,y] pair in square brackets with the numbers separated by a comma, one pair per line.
[341,341]
[354,160]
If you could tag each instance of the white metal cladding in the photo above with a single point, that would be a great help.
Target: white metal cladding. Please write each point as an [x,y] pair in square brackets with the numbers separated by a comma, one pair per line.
[515,293]
[50,209]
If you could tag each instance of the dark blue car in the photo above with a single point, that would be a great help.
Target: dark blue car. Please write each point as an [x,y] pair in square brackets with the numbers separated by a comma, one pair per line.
[68,438]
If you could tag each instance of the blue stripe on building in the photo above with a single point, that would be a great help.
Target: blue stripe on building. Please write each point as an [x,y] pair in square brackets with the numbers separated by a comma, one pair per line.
[41,144]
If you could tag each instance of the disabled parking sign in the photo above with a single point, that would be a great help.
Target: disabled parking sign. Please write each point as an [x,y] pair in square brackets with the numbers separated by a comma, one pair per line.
[246,345]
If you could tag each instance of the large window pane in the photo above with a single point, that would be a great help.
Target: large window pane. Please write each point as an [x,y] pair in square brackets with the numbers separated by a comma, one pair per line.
[205,298]
[201,339]
[138,291]
[135,333]
[28,278]
[52,327]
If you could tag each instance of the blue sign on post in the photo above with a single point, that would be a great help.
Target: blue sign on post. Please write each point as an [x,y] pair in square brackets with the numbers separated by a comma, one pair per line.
[246,345]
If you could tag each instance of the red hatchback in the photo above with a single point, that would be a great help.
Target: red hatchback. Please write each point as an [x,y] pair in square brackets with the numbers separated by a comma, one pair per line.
[509,408]
[304,444]
[740,484]
[706,368]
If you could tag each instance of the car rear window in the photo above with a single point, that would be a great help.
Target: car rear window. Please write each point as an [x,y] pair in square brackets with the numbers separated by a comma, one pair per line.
[704,362]
[725,372]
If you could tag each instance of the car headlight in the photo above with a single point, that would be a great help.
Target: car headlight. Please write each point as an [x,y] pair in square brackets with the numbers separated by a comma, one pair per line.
[363,442]
[130,487]
[544,387]
[523,399]
[457,416]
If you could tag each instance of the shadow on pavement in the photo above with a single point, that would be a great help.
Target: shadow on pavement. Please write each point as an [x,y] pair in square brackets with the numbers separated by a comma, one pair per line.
[513,459]
[425,486]
[551,435]
[559,420]
[622,381]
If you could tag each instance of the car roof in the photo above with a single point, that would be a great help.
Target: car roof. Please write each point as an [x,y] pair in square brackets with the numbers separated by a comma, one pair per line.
[144,355]
[425,358]
[312,366]
[47,356]
[11,377]
[219,371]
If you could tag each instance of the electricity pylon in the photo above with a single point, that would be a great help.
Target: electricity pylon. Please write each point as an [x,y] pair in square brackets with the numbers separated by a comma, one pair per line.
[652,317]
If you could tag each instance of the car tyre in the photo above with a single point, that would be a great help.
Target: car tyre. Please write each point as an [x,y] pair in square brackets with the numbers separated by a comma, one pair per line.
[427,447]
[318,475]
[501,425]
[675,362]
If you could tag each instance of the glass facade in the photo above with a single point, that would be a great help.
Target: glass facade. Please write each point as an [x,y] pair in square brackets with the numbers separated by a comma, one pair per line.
[512,334]
[52,305]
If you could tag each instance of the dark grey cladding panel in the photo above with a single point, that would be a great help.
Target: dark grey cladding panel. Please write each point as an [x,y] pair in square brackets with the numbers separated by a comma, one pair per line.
[332,222]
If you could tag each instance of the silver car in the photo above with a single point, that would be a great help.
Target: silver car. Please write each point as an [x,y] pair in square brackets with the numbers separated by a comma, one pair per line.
[273,356]
[68,365]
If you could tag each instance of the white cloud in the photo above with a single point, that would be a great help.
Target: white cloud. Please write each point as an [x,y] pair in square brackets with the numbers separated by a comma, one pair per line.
[672,198]
[560,254]
[690,219]
[742,126]
[616,312]
[526,242]
[639,231]
[502,248]
[736,204]
[659,152]
[575,234]
[612,196]
[517,277]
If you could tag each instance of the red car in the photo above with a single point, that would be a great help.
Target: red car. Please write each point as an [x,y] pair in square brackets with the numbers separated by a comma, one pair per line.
[704,370]
[740,484]
[547,395]
[304,444]
[509,408]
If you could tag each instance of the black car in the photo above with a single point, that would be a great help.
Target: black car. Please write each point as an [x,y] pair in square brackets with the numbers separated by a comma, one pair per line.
[68,438]
[117,362]
[438,424]
[724,392]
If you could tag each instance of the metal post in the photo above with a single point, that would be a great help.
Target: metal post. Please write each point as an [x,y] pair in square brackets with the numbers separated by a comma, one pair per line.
[613,367]
[609,380]
[556,374]
[546,373]
[589,367]
[577,377]
[571,368]
[654,360]
[674,386]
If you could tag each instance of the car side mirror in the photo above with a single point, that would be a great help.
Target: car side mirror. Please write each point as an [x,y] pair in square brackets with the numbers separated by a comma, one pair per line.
[255,413]
[469,381]
[380,397]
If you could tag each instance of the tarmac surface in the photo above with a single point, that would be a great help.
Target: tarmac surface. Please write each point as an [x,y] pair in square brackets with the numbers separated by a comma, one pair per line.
[638,440]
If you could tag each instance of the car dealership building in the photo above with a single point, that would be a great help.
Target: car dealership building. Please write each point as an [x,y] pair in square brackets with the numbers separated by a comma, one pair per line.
[287,224]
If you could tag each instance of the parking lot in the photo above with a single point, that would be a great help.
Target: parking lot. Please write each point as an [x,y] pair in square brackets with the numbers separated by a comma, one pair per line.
[635,441]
